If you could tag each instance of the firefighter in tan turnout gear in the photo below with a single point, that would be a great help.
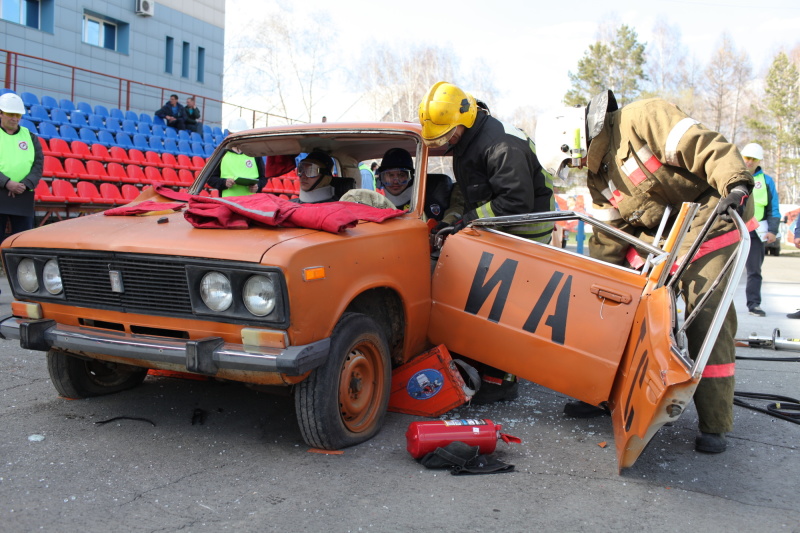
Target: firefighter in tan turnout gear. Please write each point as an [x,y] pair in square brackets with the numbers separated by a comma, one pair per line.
[641,159]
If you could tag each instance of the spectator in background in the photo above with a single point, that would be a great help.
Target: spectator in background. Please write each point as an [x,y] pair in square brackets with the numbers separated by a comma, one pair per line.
[21,163]
[367,177]
[192,120]
[173,113]
[765,201]
[238,174]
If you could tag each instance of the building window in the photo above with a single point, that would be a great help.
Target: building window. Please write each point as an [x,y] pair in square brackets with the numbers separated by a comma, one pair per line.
[169,55]
[185,58]
[99,32]
[201,64]
[25,12]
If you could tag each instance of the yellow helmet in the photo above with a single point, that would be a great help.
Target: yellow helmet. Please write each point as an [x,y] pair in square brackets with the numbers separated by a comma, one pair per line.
[444,107]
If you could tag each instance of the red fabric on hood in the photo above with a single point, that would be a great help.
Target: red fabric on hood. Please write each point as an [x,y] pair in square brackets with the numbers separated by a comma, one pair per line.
[144,207]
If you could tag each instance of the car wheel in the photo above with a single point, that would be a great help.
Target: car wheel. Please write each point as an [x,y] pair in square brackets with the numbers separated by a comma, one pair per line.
[74,377]
[344,401]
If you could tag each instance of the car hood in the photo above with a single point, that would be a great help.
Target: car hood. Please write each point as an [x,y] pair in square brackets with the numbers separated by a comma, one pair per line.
[159,233]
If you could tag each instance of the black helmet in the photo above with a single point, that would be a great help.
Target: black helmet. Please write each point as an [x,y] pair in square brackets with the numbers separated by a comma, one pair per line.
[397,158]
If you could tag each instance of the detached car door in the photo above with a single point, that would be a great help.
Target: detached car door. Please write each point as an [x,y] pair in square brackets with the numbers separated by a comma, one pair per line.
[576,325]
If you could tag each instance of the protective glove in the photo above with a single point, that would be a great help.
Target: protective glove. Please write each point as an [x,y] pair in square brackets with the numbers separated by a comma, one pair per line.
[736,198]
[439,227]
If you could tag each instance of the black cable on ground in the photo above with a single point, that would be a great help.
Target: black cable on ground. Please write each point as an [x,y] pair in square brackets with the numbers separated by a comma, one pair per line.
[782,359]
[783,407]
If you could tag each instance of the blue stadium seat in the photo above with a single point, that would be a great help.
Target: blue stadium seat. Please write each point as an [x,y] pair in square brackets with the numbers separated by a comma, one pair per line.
[156,145]
[78,121]
[124,140]
[106,138]
[145,118]
[117,114]
[171,146]
[207,129]
[170,133]
[101,110]
[129,127]
[47,130]
[5,90]
[58,116]
[68,106]
[208,149]
[159,121]
[88,136]
[96,123]
[32,127]
[197,149]
[195,137]
[217,131]
[84,108]
[185,148]
[183,135]
[48,102]
[208,138]
[37,113]
[143,128]
[131,115]
[68,133]
[140,142]
[157,131]
[113,124]
[29,99]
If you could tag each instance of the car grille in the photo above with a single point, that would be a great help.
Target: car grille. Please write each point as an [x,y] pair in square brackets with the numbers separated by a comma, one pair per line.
[149,285]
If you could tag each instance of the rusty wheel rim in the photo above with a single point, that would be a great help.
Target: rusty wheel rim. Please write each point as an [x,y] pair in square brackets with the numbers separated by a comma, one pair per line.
[361,385]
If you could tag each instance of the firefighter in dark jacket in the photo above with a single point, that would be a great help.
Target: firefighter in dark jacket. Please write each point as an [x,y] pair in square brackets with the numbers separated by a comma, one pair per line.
[497,174]
[641,159]
[495,165]
[21,163]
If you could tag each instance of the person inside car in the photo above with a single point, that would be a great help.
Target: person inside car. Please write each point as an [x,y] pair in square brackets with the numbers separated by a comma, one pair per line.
[315,172]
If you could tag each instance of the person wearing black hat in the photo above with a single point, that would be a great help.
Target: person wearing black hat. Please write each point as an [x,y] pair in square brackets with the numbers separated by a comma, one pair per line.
[315,172]
[396,174]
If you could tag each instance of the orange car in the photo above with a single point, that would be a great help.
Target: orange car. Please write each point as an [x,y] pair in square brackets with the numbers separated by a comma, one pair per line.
[330,314]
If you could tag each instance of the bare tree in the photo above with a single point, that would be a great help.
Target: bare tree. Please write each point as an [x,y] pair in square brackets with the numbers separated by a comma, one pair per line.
[718,80]
[666,61]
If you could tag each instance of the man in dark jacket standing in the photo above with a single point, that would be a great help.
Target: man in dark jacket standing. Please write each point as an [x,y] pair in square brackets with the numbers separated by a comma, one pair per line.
[497,174]
[173,113]
[496,169]
[21,163]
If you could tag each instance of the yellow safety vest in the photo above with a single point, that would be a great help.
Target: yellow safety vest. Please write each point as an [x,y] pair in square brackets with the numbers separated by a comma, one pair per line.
[238,166]
[760,194]
[16,154]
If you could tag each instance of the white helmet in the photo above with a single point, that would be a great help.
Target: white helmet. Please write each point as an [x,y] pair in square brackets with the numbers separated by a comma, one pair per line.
[11,103]
[561,136]
[753,151]
[238,124]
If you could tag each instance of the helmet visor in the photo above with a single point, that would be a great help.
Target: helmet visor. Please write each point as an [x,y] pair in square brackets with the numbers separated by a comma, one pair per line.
[395,176]
[308,170]
[439,141]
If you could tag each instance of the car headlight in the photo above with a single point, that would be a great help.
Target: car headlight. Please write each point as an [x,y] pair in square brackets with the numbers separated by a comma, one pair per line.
[215,290]
[259,295]
[26,276]
[51,275]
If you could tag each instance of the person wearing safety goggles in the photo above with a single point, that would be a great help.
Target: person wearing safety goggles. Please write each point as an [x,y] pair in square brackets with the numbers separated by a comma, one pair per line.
[315,172]
[396,174]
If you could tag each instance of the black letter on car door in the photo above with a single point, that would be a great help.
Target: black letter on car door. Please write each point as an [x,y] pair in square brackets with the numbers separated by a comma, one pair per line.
[479,291]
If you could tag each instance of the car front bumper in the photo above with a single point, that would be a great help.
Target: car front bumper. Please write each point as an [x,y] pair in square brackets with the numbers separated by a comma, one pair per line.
[202,356]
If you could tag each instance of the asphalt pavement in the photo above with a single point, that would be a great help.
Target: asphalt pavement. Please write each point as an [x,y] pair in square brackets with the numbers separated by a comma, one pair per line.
[212,456]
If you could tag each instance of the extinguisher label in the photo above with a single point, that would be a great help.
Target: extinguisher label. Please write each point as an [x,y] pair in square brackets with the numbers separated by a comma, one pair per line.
[465,422]
[425,384]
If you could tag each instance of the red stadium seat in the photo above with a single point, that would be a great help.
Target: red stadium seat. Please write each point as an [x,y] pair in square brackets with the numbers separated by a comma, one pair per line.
[137,156]
[97,171]
[67,191]
[116,172]
[135,174]
[183,162]
[197,162]
[58,148]
[42,193]
[169,160]
[185,176]
[119,155]
[102,153]
[153,175]
[87,189]
[129,192]
[153,159]
[111,194]
[76,169]
[82,151]
[53,168]
[171,177]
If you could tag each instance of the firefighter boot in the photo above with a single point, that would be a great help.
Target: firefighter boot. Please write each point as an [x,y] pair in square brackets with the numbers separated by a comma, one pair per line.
[710,442]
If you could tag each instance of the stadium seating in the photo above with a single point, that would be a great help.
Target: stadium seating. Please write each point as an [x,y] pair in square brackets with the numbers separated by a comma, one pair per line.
[84,108]
[153,159]
[101,152]
[130,192]
[109,191]
[155,145]
[185,148]
[135,174]
[29,99]
[169,160]
[116,172]
[156,131]
[65,189]
[140,142]
[185,176]
[52,168]
[89,191]
[171,177]
[136,156]
[47,131]
[68,106]
[116,113]
[97,171]
[197,162]
[106,138]
[88,136]
[129,127]
[48,102]
[59,148]
[38,114]
[96,122]
[144,118]
[81,150]
[118,154]
[113,124]
[101,111]
[58,116]
[183,162]
[68,133]
[76,169]
[124,140]
[131,115]
[153,175]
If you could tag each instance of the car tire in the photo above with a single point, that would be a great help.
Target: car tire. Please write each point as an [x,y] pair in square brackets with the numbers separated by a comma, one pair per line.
[74,377]
[344,401]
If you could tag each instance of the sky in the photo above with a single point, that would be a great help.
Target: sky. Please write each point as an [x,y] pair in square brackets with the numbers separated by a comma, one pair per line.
[530,46]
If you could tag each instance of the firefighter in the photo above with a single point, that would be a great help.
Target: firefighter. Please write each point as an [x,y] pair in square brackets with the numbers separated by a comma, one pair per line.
[495,165]
[641,159]
[497,173]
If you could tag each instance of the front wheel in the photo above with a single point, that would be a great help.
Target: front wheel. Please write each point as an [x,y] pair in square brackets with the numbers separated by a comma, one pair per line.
[344,401]
[74,377]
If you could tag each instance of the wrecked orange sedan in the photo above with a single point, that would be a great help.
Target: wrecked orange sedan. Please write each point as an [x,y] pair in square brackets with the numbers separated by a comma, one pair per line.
[330,314]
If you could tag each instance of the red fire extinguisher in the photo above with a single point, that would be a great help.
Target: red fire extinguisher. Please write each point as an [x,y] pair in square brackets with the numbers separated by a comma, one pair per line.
[425,437]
